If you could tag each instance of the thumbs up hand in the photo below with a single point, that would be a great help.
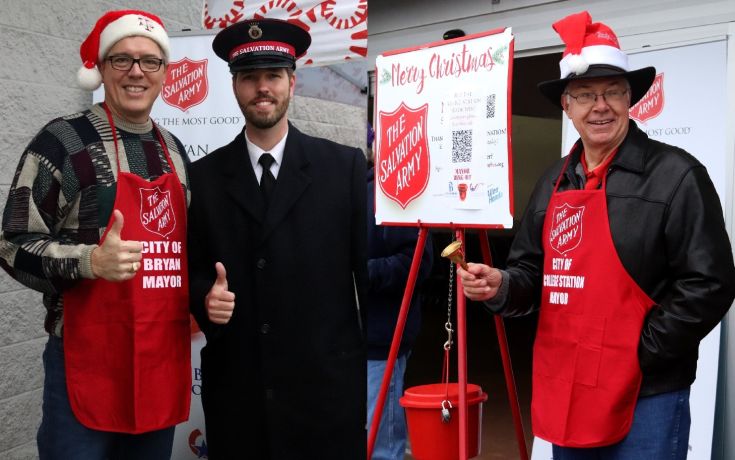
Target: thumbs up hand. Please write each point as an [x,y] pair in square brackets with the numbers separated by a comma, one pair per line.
[219,302]
[116,259]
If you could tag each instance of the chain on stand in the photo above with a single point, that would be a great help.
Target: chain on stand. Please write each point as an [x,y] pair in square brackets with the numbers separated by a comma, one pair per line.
[446,404]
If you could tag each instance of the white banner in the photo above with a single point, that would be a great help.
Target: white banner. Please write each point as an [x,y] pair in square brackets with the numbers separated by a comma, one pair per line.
[674,113]
[442,133]
[197,105]
[189,440]
[338,28]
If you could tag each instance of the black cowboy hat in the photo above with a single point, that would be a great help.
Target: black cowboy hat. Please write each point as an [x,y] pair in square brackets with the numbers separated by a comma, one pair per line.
[640,81]
[592,51]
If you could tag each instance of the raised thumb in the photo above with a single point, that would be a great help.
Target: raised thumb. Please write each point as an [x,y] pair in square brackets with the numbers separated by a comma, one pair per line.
[117,223]
[221,275]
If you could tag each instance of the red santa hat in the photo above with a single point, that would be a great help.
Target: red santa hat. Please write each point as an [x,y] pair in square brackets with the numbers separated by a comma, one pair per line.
[112,27]
[592,51]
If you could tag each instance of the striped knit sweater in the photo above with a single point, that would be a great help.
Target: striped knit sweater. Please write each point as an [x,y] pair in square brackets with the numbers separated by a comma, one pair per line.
[62,196]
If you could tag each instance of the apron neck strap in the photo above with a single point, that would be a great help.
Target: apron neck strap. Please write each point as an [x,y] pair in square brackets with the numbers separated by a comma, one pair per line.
[114,139]
[563,170]
[566,165]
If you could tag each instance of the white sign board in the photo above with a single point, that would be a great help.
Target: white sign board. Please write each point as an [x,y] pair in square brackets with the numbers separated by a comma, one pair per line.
[674,113]
[442,127]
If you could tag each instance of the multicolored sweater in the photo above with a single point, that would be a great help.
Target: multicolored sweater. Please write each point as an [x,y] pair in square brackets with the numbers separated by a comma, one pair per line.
[62,197]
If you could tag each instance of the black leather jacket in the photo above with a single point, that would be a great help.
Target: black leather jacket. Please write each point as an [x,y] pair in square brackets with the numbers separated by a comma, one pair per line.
[668,228]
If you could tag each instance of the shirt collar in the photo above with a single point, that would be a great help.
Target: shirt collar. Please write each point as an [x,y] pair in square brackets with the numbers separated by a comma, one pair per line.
[254,152]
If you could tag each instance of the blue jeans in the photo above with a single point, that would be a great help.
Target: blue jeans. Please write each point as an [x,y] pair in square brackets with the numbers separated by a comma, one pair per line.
[660,431]
[390,443]
[61,436]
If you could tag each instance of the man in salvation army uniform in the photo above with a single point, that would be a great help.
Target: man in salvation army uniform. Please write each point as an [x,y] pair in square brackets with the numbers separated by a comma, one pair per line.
[278,265]
[96,221]
[623,248]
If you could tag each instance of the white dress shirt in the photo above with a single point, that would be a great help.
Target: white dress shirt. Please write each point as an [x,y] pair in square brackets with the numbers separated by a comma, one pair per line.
[254,152]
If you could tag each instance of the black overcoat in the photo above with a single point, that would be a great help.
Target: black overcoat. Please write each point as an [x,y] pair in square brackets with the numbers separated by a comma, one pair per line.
[285,378]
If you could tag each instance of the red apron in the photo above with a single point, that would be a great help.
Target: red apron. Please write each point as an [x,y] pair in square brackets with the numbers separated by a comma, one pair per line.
[586,374]
[126,345]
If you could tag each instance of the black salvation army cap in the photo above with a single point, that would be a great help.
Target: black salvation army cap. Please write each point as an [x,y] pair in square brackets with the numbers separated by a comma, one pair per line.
[260,44]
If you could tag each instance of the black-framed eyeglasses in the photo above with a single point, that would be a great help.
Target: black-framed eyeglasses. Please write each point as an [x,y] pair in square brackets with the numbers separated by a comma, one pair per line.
[611,95]
[125,63]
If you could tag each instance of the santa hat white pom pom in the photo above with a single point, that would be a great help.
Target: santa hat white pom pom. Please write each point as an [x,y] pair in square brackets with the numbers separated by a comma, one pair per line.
[89,79]
[577,64]
[112,27]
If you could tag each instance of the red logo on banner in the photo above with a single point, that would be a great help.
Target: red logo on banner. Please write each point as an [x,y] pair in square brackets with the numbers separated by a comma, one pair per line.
[156,212]
[566,228]
[652,103]
[402,166]
[198,444]
[186,83]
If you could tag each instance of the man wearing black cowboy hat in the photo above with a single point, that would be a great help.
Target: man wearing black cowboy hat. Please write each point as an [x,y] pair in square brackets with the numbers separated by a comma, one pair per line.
[624,251]
[278,221]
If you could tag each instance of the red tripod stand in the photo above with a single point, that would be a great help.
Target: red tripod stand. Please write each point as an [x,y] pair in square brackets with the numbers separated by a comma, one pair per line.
[461,353]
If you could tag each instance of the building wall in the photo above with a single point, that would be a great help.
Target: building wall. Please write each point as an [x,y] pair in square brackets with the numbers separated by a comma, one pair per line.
[395,25]
[39,58]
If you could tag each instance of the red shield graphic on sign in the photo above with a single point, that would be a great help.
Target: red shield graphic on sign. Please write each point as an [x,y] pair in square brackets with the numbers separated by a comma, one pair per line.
[402,164]
[652,103]
[566,228]
[156,213]
[186,84]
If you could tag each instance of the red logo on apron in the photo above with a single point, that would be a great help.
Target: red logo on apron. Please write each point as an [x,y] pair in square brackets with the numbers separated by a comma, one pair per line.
[186,84]
[566,228]
[402,166]
[156,213]
[652,103]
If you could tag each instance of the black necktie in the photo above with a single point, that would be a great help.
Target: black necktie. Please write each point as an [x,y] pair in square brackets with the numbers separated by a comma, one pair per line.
[267,180]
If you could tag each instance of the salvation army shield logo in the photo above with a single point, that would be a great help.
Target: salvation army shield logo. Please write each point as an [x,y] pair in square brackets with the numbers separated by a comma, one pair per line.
[186,84]
[402,164]
[566,228]
[156,211]
[652,103]
[198,444]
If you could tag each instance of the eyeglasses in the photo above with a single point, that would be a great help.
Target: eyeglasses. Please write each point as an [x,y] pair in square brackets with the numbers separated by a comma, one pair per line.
[125,63]
[611,95]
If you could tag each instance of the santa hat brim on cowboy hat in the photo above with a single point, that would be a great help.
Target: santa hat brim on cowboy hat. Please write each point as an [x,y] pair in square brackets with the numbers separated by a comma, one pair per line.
[592,51]
[112,27]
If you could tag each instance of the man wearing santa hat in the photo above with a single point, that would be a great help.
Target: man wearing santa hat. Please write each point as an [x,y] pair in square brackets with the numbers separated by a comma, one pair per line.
[623,248]
[96,195]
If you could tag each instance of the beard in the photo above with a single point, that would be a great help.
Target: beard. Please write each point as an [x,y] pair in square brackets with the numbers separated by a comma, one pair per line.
[264,121]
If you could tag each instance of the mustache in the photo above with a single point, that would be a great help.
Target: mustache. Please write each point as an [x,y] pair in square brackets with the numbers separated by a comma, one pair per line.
[263,97]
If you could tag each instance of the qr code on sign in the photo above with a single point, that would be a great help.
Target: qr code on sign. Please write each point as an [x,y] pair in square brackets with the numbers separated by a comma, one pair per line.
[490,106]
[462,146]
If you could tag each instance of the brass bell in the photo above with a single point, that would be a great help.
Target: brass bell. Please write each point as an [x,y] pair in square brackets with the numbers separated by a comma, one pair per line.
[454,253]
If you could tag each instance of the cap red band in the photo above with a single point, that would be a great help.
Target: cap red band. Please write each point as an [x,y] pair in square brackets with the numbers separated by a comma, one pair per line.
[254,47]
